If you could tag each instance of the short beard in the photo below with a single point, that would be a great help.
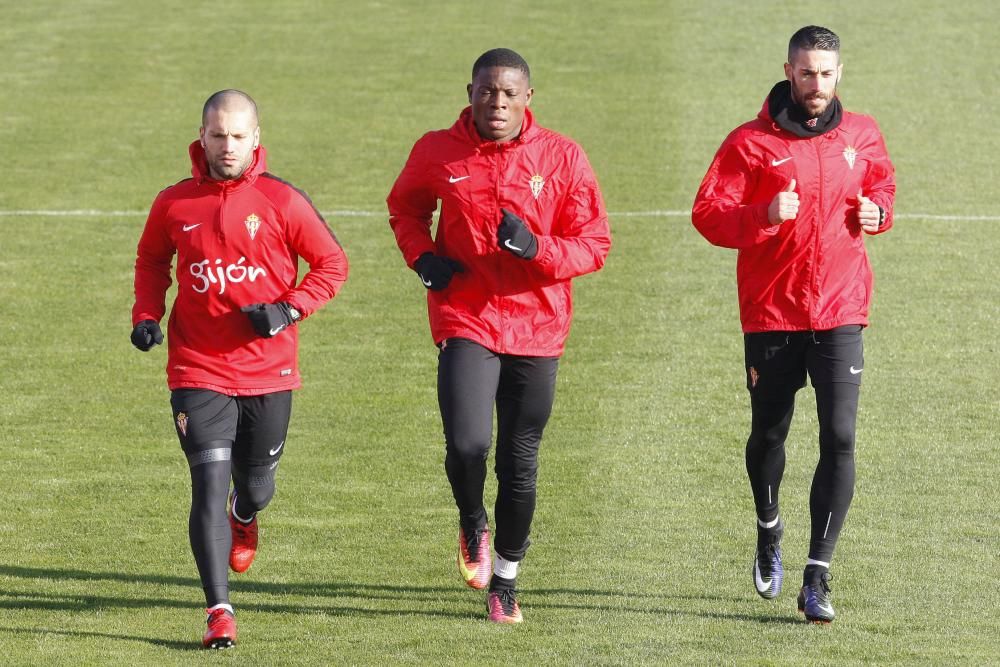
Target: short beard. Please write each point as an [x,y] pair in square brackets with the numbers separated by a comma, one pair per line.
[220,173]
[802,104]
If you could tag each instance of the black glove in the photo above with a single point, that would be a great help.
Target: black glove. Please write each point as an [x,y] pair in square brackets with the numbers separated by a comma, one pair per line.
[436,272]
[270,319]
[146,334]
[515,237]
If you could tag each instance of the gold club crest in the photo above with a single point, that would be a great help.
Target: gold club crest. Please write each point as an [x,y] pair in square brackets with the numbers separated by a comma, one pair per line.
[182,423]
[253,224]
[537,183]
[849,155]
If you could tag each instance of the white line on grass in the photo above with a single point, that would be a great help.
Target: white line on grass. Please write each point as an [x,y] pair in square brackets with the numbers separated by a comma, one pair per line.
[350,213]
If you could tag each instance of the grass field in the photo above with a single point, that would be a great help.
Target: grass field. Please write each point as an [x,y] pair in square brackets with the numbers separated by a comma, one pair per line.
[644,530]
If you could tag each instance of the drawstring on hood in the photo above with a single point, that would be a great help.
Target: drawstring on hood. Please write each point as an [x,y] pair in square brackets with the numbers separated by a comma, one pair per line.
[789,116]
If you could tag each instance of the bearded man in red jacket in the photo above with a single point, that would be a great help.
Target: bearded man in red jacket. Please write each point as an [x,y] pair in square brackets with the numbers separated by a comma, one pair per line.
[232,362]
[795,191]
[521,216]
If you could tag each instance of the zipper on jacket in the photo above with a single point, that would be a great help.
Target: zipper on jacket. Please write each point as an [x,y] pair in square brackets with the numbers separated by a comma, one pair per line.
[498,160]
[818,234]
[221,217]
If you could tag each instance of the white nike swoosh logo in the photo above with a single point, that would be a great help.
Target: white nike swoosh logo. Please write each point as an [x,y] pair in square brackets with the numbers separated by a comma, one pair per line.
[456,179]
[512,246]
[426,282]
[775,163]
[188,228]
[277,330]
[761,585]
[855,371]
[277,449]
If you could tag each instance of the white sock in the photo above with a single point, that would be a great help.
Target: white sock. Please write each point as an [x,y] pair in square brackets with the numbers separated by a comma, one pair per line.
[769,524]
[225,605]
[503,568]
[810,561]
[237,516]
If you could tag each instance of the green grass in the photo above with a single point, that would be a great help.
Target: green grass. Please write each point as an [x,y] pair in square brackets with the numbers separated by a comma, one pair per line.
[644,527]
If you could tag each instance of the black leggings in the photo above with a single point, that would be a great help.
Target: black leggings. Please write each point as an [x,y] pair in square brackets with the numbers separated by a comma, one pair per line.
[225,437]
[833,481]
[471,380]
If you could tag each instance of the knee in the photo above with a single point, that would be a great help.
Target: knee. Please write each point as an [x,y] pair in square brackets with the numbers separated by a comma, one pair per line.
[517,475]
[257,490]
[469,448]
[765,439]
[837,439]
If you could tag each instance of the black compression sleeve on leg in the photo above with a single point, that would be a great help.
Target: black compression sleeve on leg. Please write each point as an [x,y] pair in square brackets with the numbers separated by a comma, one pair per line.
[765,452]
[833,483]
[208,524]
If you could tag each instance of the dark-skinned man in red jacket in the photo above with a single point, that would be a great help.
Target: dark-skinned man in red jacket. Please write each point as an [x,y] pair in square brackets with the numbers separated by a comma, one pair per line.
[521,216]
[237,232]
[796,191]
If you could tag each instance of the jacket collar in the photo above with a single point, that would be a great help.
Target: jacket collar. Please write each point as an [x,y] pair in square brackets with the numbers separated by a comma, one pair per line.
[465,127]
[199,168]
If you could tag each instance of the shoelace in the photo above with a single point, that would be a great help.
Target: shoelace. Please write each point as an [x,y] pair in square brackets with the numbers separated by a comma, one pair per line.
[508,599]
[472,544]
[245,529]
[770,553]
[216,616]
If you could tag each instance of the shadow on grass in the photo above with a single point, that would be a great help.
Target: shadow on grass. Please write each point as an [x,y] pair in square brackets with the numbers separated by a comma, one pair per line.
[428,601]
[165,643]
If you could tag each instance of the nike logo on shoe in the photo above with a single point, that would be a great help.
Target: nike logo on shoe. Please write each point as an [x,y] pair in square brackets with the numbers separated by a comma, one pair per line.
[758,581]
[277,449]
[456,179]
[855,371]
[775,163]
[513,247]
[188,228]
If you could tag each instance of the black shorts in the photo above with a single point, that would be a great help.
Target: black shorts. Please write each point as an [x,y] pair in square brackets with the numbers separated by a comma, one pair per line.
[777,361]
[256,426]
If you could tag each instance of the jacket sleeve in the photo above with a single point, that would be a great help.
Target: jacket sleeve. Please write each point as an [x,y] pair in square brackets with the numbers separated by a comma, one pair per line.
[154,256]
[313,240]
[722,211]
[411,205]
[880,181]
[582,237]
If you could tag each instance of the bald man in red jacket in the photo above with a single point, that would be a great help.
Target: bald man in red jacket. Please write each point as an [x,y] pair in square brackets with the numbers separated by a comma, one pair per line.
[237,233]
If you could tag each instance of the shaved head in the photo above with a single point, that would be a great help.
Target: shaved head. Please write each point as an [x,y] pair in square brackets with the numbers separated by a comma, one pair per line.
[229,133]
[229,100]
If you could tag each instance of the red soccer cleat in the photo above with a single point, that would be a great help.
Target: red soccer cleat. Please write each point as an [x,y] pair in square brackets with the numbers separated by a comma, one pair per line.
[474,558]
[221,632]
[502,606]
[244,548]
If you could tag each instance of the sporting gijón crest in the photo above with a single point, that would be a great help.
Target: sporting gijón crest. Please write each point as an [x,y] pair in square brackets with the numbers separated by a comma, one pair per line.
[850,154]
[537,183]
[253,224]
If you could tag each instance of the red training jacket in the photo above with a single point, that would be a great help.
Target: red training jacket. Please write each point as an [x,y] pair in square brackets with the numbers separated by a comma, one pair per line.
[237,242]
[810,273]
[505,303]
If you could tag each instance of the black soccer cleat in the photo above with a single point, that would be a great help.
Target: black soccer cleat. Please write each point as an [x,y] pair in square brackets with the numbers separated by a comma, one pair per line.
[815,600]
[767,569]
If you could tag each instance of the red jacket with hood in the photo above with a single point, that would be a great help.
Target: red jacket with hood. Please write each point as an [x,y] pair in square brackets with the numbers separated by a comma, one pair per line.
[505,303]
[810,273]
[237,242]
